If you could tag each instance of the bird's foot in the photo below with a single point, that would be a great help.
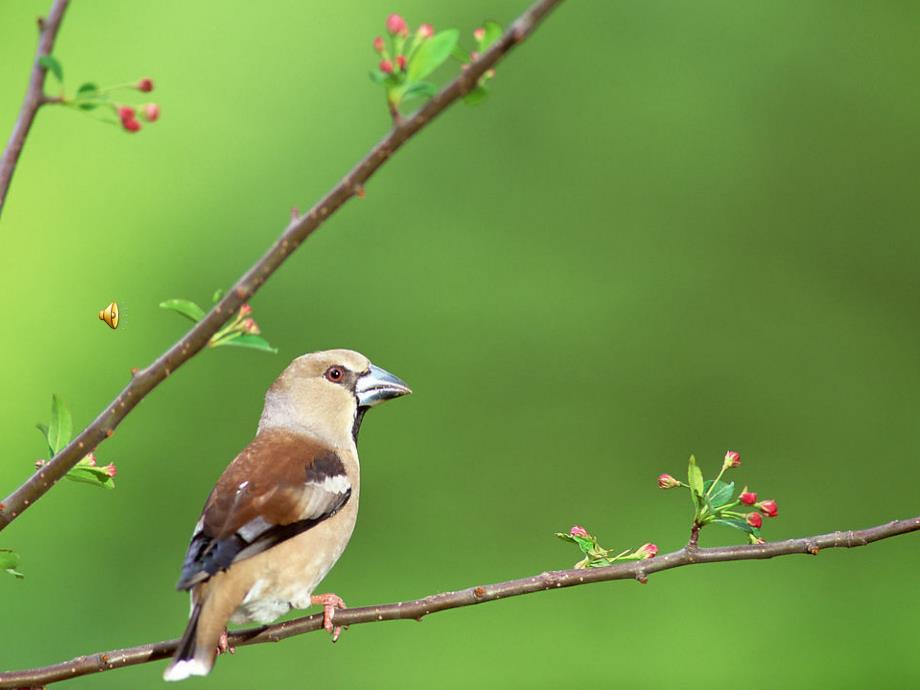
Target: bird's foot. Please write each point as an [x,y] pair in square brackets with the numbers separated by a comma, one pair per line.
[329,602]
[223,644]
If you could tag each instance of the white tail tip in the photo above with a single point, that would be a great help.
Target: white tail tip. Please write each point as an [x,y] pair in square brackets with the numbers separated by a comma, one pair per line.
[185,668]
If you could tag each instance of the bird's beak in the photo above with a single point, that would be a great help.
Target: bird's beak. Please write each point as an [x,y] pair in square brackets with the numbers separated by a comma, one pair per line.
[378,385]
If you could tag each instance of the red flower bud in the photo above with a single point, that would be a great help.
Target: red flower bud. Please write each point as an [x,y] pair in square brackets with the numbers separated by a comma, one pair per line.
[401,62]
[386,66]
[479,34]
[748,498]
[768,508]
[397,25]
[732,459]
[110,469]
[666,481]
[578,531]
[126,112]
[425,31]
[379,45]
[245,310]
[754,520]
[145,85]
[131,125]
[647,551]
[151,112]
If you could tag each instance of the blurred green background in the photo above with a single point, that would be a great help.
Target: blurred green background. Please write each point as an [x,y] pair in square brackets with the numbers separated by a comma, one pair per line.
[675,227]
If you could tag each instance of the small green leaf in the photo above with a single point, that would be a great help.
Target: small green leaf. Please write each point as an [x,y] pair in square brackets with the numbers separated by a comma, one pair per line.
[476,96]
[185,307]
[419,89]
[256,342]
[378,77]
[9,561]
[736,524]
[721,495]
[217,296]
[43,428]
[695,477]
[431,54]
[493,32]
[87,90]
[61,427]
[51,64]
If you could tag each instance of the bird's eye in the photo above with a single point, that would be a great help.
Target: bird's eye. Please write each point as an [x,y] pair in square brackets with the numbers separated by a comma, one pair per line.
[335,374]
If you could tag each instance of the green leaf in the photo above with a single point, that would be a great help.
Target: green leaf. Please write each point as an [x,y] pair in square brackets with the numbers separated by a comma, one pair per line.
[217,296]
[9,561]
[51,64]
[431,54]
[476,95]
[419,89]
[86,95]
[61,427]
[721,495]
[736,524]
[493,32]
[44,429]
[695,478]
[378,77]
[256,342]
[185,307]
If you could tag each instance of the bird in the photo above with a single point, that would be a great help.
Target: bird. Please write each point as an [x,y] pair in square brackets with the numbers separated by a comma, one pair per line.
[283,511]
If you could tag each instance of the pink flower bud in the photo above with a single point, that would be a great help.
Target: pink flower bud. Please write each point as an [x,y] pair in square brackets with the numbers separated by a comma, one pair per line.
[401,62]
[110,469]
[769,508]
[479,34]
[245,310]
[151,112]
[131,125]
[379,45]
[754,520]
[90,459]
[666,481]
[251,327]
[578,531]
[732,459]
[40,463]
[425,31]
[474,56]
[397,25]
[386,66]
[748,498]
[647,551]
[145,85]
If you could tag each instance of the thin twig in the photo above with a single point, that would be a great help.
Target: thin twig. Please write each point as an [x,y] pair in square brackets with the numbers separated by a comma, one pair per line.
[299,229]
[35,96]
[417,609]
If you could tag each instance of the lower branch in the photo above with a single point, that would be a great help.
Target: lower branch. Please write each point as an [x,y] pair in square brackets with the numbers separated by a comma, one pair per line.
[34,99]
[417,609]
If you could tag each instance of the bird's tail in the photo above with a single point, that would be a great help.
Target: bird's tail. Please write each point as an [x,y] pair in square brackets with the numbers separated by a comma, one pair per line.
[190,659]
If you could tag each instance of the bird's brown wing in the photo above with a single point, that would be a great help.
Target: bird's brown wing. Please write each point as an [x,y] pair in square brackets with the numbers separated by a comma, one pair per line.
[282,484]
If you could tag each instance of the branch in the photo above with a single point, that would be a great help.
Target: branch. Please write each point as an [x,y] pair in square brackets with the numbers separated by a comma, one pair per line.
[416,610]
[35,96]
[299,229]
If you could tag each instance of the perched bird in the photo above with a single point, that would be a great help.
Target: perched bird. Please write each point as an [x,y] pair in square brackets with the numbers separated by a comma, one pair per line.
[283,511]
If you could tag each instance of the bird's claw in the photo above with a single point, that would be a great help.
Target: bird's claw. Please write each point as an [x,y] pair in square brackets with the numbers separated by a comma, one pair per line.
[329,602]
[223,644]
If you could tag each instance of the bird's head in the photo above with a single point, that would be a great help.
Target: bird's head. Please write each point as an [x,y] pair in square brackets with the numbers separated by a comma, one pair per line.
[327,393]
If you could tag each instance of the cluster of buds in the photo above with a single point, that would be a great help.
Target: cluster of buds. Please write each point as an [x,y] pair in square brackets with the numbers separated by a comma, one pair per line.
[715,500]
[88,471]
[128,115]
[241,324]
[397,61]
[596,556]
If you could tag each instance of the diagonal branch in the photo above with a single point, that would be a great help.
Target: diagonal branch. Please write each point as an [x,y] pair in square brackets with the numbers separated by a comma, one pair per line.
[35,96]
[417,609]
[299,229]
